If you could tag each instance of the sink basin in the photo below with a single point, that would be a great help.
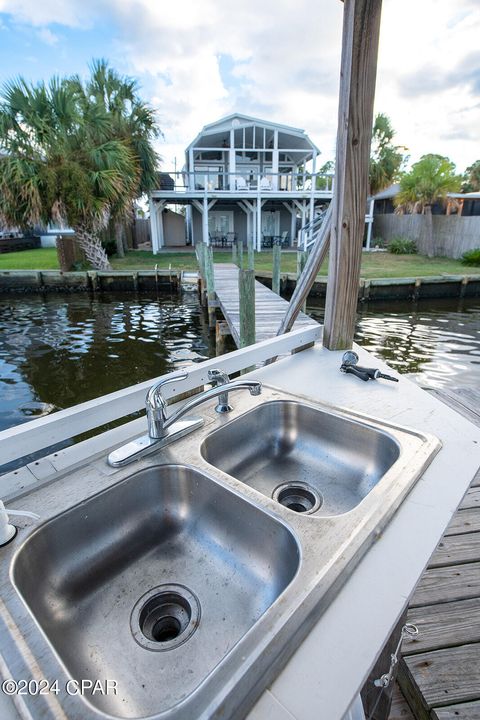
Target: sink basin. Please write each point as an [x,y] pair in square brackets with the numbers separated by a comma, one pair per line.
[141,580]
[310,460]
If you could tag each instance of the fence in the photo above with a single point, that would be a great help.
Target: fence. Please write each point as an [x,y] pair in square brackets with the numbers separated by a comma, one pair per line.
[453,234]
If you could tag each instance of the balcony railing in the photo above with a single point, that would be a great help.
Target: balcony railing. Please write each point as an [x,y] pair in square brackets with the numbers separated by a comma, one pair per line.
[246,181]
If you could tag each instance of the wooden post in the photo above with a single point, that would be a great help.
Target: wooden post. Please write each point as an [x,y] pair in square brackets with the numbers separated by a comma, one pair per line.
[200,253]
[234,252]
[361,29]
[209,278]
[239,253]
[301,261]
[277,259]
[221,331]
[251,253]
[246,288]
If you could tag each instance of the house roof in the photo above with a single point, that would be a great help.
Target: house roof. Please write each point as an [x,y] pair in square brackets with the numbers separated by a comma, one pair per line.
[387,193]
[238,120]
[394,189]
[465,196]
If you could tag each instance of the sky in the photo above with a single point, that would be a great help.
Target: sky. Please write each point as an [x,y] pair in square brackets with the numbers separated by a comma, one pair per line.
[279,60]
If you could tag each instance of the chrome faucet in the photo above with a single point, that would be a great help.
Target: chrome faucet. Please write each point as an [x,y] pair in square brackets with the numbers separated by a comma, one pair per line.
[158,422]
[163,428]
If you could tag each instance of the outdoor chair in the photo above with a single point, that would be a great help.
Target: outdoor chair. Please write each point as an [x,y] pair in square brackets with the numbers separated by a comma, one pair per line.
[241,183]
[265,184]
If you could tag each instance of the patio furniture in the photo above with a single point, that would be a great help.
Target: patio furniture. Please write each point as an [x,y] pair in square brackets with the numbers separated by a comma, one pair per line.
[241,183]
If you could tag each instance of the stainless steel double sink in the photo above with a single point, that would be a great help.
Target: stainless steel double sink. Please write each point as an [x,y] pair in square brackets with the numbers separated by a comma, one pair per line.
[192,576]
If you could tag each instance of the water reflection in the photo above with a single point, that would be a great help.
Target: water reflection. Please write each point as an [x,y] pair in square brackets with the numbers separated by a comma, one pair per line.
[56,351]
[437,341]
[59,351]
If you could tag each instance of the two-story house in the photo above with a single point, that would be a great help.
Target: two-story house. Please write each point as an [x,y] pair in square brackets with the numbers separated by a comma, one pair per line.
[243,178]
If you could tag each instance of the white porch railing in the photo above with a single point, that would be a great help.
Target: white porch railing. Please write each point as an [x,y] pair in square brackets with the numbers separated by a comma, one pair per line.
[245,181]
[34,436]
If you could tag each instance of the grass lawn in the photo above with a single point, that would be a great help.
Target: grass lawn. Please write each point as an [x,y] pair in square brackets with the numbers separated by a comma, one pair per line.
[374,265]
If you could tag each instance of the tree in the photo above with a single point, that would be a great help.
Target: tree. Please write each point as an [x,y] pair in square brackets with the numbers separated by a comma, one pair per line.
[65,161]
[429,181]
[323,181]
[386,160]
[133,121]
[471,178]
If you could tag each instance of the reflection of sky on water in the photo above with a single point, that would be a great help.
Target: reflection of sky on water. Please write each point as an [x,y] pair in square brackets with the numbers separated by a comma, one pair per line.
[437,341]
[58,351]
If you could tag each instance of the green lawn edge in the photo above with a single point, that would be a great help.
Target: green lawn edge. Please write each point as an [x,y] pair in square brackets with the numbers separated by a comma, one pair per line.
[374,265]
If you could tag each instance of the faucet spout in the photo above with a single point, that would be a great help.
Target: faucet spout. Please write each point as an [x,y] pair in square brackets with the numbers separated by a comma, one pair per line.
[253,386]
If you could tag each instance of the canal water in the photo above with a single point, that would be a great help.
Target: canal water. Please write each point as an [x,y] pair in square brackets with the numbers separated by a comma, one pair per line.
[56,351]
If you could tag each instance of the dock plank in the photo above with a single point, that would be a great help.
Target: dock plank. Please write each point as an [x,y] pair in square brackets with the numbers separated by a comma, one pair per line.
[465,711]
[441,677]
[471,499]
[446,584]
[270,308]
[444,625]
[456,549]
[439,673]
[464,521]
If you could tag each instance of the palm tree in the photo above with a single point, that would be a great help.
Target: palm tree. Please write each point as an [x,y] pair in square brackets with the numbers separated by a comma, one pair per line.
[386,159]
[133,121]
[471,178]
[63,159]
[429,181]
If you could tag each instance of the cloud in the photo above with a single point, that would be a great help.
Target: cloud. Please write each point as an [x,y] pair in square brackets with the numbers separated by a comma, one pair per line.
[47,36]
[280,59]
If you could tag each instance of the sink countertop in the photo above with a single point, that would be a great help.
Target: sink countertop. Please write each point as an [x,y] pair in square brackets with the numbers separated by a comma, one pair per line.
[331,665]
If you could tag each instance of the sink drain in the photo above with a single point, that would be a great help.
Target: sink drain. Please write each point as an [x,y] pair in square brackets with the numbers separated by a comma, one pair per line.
[297,496]
[165,617]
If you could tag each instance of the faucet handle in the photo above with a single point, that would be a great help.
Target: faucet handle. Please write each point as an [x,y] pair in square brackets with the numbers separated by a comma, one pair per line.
[154,397]
[218,377]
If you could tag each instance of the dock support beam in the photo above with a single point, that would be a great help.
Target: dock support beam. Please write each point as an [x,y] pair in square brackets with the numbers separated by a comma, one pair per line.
[246,287]
[361,30]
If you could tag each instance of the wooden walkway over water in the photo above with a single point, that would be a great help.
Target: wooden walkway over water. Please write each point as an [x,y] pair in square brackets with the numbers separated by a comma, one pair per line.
[439,673]
[270,308]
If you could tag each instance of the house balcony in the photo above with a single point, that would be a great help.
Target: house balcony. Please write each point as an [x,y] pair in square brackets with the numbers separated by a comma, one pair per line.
[178,187]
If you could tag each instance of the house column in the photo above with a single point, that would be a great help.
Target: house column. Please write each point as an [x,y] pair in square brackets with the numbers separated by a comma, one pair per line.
[191,168]
[231,161]
[369,220]
[189,225]
[161,234]
[259,222]
[205,235]
[275,178]
[312,190]
[153,225]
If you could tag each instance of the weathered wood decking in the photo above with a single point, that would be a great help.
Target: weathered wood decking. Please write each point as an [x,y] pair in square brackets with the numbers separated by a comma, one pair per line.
[270,308]
[440,670]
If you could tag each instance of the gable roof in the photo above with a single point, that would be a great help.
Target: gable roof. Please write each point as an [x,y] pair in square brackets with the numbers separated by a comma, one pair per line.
[238,120]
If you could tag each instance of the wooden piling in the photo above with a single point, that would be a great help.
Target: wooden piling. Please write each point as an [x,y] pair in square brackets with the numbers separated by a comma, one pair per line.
[251,253]
[221,331]
[277,259]
[246,287]
[361,29]
[210,282]
[239,253]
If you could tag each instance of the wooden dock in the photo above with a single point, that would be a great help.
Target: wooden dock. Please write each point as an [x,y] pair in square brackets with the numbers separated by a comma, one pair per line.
[439,673]
[270,308]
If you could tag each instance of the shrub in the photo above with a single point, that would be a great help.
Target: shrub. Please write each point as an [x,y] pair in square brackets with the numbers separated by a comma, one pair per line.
[402,246]
[471,257]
